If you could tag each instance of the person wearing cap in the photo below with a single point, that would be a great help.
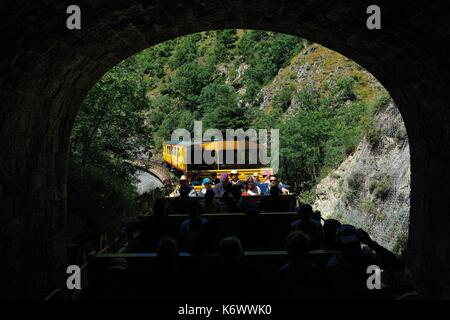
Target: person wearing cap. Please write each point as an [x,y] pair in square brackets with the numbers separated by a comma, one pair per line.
[348,270]
[184,190]
[196,179]
[206,183]
[223,185]
[234,175]
[251,188]
[308,226]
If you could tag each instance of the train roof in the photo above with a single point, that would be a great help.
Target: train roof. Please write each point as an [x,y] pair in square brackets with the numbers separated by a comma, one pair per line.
[210,145]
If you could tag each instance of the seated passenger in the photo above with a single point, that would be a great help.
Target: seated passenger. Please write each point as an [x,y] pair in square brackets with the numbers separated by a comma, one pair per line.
[233,198]
[234,278]
[193,229]
[330,227]
[234,175]
[308,226]
[224,184]
[184,190]
[206,183]
[263,185]
[210,204]
[196,179]
[153,228]
[317,216]
[274,182]
[299,277]
[165,275]
[214,178]
[348,270]
[251,188]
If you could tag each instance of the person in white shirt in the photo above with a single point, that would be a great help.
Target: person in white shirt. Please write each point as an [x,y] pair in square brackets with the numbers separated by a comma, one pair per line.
[251,188]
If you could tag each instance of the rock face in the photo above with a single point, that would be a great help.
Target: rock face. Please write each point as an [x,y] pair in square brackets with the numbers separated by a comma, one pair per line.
[371,188]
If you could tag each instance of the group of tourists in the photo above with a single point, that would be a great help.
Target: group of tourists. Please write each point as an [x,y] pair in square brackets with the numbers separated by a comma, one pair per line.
[217,186]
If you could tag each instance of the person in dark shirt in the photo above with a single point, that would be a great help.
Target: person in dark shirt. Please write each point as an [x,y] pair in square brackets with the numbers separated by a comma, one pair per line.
[234,278]
[196,231]
[310,227]
[348,270]
[153,228]
[330,227]
[299,278]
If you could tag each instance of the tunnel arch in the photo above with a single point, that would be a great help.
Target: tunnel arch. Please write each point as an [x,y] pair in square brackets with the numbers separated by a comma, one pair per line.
[48,71]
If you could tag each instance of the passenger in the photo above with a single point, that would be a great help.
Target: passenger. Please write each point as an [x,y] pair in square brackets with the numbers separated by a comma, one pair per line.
[184,190]
[191,229]
[233,198]
[266,175]
[307,225]
[115,280]
[300,278]
[196,179]
[348,270]
[224,184]
[317,216]
[153,228]
[209,203]
[214,178]
[274,182]
[234,175]
[250,188]
[166,273]
[330,227]
[206,183]
[234,278]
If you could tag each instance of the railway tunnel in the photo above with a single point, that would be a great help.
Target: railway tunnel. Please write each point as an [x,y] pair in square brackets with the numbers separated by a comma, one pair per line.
[47,71]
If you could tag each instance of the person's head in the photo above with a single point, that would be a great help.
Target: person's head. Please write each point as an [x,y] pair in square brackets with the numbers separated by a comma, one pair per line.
[230,249]
[348,241]
[194,210]
[213,175]
[117,264]
[255,177]
[316,215]
[273,180]
[330,227]
[250,183]
[266,175]
[234,175]
[167,249]
[196,175]
[305,211]
[224,178]
[184,181]
[297,245]
[207,183]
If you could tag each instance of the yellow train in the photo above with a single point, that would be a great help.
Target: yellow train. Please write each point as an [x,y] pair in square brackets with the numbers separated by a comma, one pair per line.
[175,154]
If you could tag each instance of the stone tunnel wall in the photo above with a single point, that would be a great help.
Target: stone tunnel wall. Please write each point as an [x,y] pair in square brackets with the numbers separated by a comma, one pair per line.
[46,70]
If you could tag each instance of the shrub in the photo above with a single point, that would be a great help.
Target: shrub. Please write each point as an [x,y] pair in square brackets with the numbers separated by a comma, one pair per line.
[373,135]
[379,186]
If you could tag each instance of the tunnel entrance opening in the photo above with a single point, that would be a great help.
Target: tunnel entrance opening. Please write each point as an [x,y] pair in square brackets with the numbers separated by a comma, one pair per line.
[326,104]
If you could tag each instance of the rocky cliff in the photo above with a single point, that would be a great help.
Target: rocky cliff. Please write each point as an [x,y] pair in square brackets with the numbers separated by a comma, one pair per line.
[370,189]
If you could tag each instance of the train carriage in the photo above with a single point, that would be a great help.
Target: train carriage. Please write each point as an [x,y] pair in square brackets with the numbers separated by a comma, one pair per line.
[177,154]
